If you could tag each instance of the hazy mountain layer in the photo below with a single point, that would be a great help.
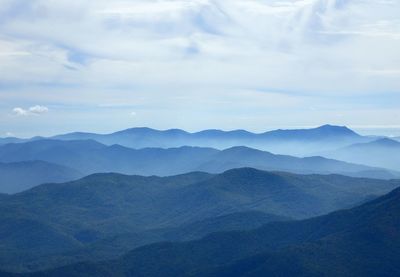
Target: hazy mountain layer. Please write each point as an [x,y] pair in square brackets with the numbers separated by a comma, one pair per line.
[19,176]
[292,142]
[88,156]
[381,153]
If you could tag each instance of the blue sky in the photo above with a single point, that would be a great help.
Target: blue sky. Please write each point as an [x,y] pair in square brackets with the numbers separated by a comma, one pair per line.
[107,65]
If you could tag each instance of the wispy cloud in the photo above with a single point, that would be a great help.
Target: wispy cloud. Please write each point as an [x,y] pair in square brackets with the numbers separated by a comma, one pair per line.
[155,54]
[34,110]
[113,43]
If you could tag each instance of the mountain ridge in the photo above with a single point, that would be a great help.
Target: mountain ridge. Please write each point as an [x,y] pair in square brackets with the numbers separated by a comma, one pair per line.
[284,141]
[97,208]
[325,245]
[90,156]
[382,152]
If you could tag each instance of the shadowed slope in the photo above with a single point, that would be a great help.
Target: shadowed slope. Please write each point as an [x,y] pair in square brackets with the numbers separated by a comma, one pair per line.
[363,241]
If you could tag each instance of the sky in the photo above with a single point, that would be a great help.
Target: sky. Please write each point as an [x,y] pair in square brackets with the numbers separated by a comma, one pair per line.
[102,66]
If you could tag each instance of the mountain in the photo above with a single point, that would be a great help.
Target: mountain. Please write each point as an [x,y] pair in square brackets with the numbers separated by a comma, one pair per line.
[19,176]
[18,140]
[241,156]
[381,153]
[113,247]
[89,156]
[292,142]
[362,241]
[325,132]
[11,140]
[88,217]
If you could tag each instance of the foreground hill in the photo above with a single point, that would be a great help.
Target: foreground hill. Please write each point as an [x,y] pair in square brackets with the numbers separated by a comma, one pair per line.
[89,156]
[382,153]
[97,216]
[19,176]
[363,241]
[292,142]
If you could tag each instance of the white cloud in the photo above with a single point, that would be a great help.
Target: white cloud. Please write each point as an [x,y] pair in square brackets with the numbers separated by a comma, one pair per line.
[160,56]
[34,110]
[38,109]
[20,111]
[216,43]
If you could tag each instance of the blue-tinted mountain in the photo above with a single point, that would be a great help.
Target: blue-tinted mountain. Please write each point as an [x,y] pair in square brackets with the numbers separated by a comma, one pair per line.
[11,140]
[113,247]
[19,176]
[362,241]
[292,142]
[325,132]
[18,140]
[380,153]
[89,156]
[237,157]
[90,216]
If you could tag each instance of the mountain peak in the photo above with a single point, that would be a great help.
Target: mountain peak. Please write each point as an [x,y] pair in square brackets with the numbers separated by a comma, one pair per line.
[320,133]
[136,129]
[386,142]
[245,150]
[335,128]
[149,131]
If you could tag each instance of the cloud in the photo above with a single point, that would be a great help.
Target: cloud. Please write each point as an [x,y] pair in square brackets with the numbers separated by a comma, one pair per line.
[164,56]
[38,109]
[20,111]
[270,44]
[34,110]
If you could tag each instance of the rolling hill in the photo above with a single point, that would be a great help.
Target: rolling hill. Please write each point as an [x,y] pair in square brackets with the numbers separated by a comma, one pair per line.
[98,216]
[362,241]
[112,211]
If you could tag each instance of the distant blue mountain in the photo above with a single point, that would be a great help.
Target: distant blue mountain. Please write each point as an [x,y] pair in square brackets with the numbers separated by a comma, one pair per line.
[12,140]
[89,156]
[382,152]
[325,132]
[20,176]
[18,140]
[295,142]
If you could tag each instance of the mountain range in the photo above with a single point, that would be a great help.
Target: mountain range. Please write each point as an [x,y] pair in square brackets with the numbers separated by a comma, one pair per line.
[362,241]
[291,141]
[99,216]
[209,203]
[89,156]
